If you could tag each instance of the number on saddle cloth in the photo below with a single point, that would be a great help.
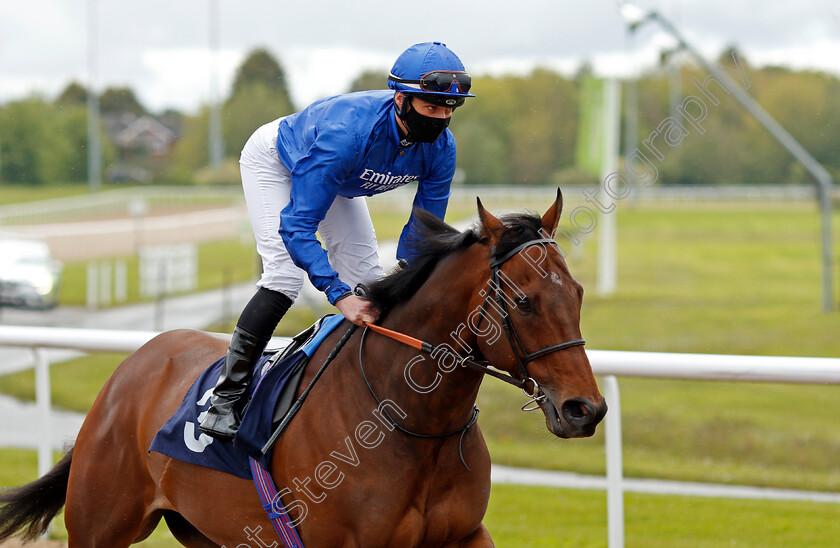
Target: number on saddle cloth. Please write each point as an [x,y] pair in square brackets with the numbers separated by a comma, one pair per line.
[276,382]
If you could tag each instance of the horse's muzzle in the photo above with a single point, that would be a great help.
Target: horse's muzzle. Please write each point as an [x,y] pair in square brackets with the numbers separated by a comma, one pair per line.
[577,417]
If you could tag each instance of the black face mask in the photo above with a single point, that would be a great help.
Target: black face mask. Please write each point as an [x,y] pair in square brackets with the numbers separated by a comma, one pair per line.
[423,129]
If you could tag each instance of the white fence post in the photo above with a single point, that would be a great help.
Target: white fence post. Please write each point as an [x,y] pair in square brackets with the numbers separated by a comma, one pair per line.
[120,281]
[615,465]
[105,283]
[43,399]
[92,294]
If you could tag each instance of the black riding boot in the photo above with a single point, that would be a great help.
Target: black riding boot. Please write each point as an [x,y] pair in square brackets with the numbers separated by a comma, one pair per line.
[253,331]
[228,400]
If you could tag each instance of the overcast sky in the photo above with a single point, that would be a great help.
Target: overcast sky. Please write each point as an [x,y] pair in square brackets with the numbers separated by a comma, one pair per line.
[160,48]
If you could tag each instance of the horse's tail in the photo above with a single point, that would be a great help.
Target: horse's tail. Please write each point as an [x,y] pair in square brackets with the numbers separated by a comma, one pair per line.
[33,506]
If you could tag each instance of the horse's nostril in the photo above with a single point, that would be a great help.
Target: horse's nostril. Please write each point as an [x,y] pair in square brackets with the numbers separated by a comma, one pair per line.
[575,410]
[580,412]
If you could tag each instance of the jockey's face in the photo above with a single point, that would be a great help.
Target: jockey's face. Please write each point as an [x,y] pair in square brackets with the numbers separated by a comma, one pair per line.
[424,108]
[430,110]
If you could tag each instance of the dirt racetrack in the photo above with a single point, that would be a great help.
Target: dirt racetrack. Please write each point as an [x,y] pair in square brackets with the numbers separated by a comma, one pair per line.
[77,241]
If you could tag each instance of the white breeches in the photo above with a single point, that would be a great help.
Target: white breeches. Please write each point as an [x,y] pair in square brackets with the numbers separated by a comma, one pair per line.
[346,232]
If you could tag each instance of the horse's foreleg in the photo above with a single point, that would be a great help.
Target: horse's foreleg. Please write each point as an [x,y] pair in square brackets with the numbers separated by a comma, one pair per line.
[479,539]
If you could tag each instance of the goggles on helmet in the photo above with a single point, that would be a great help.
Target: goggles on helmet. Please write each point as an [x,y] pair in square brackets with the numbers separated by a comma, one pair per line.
[440,81]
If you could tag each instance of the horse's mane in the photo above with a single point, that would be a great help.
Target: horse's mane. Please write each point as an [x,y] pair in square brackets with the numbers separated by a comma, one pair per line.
[435,240]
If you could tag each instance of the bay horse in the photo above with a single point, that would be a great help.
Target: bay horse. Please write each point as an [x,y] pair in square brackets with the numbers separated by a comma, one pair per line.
[384,451]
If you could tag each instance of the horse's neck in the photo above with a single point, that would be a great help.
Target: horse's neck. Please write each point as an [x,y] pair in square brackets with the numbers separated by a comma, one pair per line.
[438,393]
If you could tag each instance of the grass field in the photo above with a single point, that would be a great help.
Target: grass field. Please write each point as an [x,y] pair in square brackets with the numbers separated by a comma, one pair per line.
[712,278]
[13,194]
[537,517]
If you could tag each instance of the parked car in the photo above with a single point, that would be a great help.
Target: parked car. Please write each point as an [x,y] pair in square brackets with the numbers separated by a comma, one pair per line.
[29,275]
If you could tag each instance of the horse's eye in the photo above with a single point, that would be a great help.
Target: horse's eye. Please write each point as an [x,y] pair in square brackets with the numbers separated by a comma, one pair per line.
[523,304]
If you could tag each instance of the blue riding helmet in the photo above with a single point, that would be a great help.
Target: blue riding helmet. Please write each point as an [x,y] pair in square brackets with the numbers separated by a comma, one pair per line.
[433,73]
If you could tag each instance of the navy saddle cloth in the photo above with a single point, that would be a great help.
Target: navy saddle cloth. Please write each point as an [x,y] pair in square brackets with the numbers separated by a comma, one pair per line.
[271,392]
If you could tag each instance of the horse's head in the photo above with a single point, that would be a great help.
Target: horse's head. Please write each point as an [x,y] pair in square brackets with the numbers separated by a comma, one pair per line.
[530,320]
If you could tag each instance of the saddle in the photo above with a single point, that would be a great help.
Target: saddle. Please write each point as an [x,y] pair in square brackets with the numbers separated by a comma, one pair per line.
[306,341]
[277,377]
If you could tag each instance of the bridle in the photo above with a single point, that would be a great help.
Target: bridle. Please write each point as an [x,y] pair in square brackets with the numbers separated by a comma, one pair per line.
[523,357]
[522,379]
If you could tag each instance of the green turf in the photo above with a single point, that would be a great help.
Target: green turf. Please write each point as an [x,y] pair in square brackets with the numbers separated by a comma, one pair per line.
[13,194]
[537,517]
[74,383]
[684,430]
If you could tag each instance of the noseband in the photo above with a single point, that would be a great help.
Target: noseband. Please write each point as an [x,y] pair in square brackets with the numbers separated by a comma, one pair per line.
[523,357]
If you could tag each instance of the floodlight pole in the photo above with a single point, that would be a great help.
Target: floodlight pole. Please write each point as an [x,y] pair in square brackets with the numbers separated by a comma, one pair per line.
[94,146]
[818,172]
[215,144]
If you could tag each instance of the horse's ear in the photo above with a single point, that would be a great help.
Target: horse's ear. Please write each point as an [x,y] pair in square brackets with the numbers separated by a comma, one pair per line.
[493,227]
[552,216]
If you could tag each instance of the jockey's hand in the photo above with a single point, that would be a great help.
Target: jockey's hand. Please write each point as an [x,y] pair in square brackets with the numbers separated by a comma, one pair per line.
[357,310]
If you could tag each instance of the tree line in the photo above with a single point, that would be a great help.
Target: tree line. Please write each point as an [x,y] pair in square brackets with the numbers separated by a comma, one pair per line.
[521,129]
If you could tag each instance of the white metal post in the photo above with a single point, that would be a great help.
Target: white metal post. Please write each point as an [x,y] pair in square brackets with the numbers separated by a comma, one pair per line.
[615,474]
[43,403]
[607,261]
[92,286]
[105,283]
[120,281]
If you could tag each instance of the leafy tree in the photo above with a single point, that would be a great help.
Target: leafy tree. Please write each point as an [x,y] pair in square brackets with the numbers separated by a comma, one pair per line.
[543,135]
[71,125]
[120,100]
[807,104]
[73,94]
[33,152]
[190,153]
[481,128]
[244,112]
[482,153]
[261,68]
[519,129]
[368,80]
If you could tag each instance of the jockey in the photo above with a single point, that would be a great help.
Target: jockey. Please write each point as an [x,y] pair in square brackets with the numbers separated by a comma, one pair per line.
[310,171]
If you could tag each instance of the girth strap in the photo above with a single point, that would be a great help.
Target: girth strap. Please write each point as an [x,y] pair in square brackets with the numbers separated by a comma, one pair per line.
[274,506]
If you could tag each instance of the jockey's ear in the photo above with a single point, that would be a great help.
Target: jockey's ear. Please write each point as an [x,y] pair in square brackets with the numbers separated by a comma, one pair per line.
[492,226]
[552,216]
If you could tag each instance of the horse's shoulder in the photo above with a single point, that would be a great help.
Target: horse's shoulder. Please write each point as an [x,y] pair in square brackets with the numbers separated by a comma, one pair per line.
[189,338]
[188,345]
[193,335]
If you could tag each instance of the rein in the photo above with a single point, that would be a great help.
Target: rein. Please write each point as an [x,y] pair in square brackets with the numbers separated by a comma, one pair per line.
[462,431]
[428,348]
